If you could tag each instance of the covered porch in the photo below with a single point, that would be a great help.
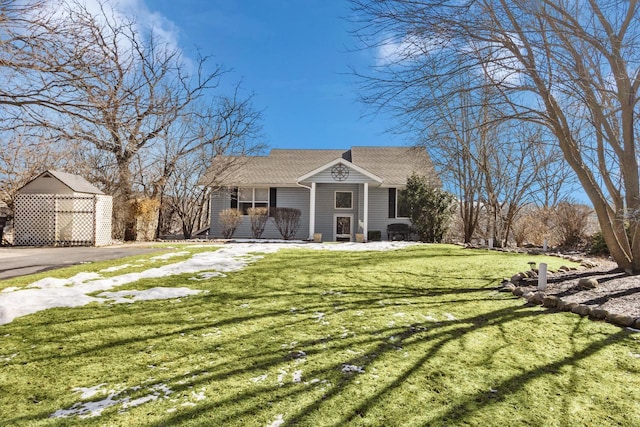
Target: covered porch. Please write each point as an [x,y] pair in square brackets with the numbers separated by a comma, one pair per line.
[339,200]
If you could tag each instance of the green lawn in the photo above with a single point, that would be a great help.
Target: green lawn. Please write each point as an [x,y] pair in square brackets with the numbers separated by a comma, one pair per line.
[417,336]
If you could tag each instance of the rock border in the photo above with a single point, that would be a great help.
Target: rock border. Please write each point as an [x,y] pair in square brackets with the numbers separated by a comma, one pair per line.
[520,283]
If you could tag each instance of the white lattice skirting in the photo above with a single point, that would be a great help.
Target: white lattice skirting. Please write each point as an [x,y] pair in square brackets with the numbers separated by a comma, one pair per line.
[62,220]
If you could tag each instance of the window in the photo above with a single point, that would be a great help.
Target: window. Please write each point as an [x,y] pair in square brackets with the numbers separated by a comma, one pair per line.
[402,204]
[252,198]
[344,200]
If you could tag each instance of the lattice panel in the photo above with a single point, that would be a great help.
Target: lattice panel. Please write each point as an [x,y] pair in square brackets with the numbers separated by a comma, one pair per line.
[104,210]
[62,220]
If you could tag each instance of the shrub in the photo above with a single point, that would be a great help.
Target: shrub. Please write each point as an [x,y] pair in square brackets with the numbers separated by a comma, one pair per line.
[598,245]
[571,222]
[533,226]
[230,219]
[258,218]
[430,209]
[287,221]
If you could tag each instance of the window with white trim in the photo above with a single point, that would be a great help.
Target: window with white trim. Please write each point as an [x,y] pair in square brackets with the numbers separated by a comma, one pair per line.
[252,198]
[344,200]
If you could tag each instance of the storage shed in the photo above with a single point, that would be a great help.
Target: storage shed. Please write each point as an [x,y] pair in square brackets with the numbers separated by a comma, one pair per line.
[61,209]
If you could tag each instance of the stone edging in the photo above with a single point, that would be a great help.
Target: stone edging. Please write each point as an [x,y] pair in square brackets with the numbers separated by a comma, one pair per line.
[518,285]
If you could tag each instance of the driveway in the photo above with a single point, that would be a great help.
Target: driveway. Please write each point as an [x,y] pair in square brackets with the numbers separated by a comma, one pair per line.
[22,261]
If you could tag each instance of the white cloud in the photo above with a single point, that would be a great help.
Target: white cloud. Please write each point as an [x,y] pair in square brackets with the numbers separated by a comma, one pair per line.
[410,48]
[145,19]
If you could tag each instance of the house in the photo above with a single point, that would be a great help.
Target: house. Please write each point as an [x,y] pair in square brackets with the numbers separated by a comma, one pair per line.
[341,193]
[61,209]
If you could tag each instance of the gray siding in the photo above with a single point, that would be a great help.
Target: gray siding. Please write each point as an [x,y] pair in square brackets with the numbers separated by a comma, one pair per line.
[379,211]
[325,211]
[285,197]
[325,208]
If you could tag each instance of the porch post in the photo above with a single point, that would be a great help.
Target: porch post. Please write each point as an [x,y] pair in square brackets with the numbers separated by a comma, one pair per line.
[312,211]
[365,227]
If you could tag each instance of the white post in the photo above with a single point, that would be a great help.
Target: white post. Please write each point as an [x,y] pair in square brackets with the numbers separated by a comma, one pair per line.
[312,210]
[544,245]
[542,276]
[365,227]
[490,243]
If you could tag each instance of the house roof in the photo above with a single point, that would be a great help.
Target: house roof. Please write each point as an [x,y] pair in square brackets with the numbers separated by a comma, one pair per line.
[75,182]
[285,167]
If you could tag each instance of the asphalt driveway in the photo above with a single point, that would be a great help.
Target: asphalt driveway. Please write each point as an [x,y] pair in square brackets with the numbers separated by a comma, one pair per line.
[22,261]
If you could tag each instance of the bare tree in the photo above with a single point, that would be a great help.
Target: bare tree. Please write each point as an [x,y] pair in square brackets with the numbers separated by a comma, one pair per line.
[492,165]
[571,66]
[30,79]
[223,133]
[23,157]
[453,146]
[123,94]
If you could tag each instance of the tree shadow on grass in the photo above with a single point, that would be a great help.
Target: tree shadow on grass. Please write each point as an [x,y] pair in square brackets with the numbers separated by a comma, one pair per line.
[441,334]
[248,402]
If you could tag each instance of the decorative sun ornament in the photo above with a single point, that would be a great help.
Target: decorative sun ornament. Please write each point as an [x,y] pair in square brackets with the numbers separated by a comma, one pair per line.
[340,172]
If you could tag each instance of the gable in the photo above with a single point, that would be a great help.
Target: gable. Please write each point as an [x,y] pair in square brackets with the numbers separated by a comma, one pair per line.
[55,182]
[339,171]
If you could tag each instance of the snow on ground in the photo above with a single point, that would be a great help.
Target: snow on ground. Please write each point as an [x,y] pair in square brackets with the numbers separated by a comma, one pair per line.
[117,268]
[278,421]
[352,368]
[120,297]
[75,291]
[94,408]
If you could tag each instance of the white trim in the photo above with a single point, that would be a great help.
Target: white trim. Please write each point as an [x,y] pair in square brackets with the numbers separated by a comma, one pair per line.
[335,200]
[365,227]
[312,211]
[253,200]
[335,225]
[344,162]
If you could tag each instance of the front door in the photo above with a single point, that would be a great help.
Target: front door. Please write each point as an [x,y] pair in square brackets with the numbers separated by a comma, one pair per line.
[343,227]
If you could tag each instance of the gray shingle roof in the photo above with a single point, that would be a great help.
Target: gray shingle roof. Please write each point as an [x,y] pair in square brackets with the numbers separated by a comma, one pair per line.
[75,182]
[283,167]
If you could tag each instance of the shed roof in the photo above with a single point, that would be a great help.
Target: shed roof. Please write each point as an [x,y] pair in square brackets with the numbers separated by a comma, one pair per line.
[283,167]
[75,182]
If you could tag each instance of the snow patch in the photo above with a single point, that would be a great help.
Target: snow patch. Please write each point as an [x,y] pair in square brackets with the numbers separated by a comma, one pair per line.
[352,368]
[8,358]
[95,408]
[74,292]
[115,268]
[259,378]
[88,392]
[169,255]
[120,297]
[277,422]
[207,275]
[198,396]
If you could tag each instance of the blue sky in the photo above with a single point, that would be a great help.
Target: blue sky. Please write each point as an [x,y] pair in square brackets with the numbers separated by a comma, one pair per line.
[295,56]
